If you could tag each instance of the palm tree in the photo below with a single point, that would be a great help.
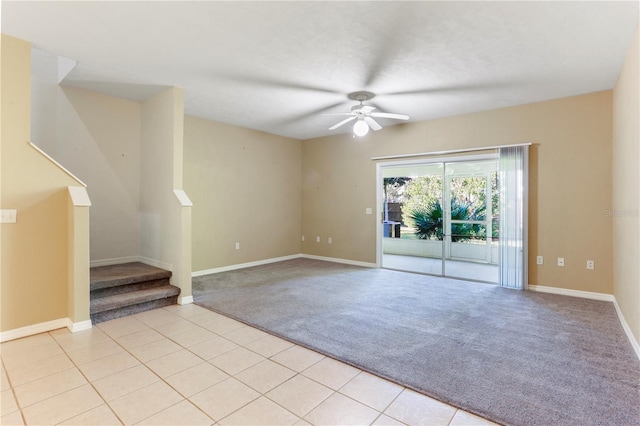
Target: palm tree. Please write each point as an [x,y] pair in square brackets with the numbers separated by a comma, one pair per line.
[429,221]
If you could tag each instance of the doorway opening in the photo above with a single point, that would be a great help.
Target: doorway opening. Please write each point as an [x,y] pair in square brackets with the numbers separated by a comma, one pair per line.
[441,217]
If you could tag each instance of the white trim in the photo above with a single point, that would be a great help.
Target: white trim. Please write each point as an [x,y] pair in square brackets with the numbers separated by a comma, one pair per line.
[129,259]
[456,159]
[79,196]
[60,166]
[183,198]
[379,212]
[338,260]
[280,259]
[78,326]
[44,327]
[575,293]
[244,265]
[185,300]
[380,167]
[115,261]
[627,329]
[32,329]
[596,296]
[156,263]
[447,152]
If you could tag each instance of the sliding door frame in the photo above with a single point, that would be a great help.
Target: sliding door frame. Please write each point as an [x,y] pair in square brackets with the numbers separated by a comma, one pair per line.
[380,166]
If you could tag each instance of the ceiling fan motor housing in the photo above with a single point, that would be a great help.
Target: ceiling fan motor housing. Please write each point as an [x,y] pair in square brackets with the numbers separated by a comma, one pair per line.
[361,96]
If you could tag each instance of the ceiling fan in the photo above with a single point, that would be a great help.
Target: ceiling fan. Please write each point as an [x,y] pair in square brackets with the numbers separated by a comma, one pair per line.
[364,115]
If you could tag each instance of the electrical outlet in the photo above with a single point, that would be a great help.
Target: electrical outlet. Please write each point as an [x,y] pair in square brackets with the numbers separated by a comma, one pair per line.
[368,211]
[317,239]
[591,264]
[561,261]
[539,260]
[303,238]
[330,240]
[237,246]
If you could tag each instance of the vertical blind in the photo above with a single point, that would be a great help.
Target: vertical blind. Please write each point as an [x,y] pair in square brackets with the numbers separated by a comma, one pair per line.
[513,180]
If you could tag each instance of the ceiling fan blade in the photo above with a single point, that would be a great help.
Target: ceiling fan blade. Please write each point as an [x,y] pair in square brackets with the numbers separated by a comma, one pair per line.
[367,109]
[345,121]
[372,123]
[335,113]
[389,115]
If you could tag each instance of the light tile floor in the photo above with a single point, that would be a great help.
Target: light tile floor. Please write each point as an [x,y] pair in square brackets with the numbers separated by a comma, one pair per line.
[185,365]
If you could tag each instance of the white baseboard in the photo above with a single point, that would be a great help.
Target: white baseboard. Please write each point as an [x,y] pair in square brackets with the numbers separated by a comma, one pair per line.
[597,296]
[44,327]
[627,329]
[280,259]
[185,300]
[338,260]
[78,326]
[129,259]
[156,263]
[114,261]
[574,293]
[243,265]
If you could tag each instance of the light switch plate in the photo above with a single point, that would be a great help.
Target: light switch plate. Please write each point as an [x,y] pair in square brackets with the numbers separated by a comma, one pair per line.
[8,216]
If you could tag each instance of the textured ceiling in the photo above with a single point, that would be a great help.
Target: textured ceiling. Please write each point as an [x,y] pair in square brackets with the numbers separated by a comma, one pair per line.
[276,66]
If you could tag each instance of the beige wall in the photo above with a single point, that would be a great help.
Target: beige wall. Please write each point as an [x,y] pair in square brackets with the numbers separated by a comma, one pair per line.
[264,191]
[34,250]
[246,187]
[570,183]
[165,224]
[98,139]
[78,270]
[626,184]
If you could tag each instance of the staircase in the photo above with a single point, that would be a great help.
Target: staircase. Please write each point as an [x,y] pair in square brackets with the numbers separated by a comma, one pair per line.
[129,288]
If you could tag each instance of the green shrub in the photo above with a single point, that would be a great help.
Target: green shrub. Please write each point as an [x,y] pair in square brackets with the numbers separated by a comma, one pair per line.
[428,221]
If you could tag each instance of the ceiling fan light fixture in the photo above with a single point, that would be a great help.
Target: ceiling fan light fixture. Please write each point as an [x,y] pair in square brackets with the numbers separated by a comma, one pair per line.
[361,128]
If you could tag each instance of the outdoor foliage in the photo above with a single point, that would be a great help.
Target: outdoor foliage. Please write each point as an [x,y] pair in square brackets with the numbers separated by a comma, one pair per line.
[394,189]
[428,221]
[420,198]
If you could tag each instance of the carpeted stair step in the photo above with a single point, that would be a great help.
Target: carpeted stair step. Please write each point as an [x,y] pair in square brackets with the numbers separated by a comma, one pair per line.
[125,274]
[127,289]
[128,303]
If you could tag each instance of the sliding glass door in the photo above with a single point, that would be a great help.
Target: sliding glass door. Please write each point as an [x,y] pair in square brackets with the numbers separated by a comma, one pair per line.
[440,218]
[413,225]
[471,230]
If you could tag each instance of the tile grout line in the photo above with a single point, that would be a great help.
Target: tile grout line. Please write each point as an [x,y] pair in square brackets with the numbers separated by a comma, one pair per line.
[13,391]
[336,391]
[381,412]
[77,367]
[64,352]
[233,376]
[185,398]
[110,338]
[313,350]
[266,358]
[204,360]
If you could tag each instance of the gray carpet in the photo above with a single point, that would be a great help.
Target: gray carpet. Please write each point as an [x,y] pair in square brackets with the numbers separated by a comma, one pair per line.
[517,358]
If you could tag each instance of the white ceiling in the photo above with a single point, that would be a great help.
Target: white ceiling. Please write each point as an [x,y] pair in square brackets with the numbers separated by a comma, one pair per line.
[275,66]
